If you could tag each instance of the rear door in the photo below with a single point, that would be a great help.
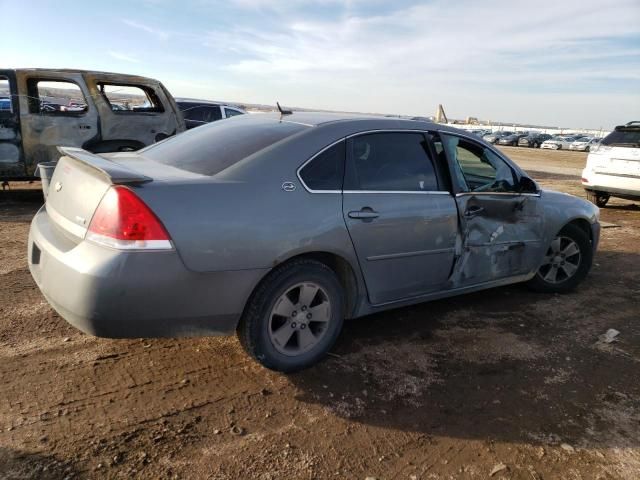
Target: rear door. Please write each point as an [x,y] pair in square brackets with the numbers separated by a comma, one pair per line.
[55,111]
[11,159]
[133,114]
[402,221]
[501,227]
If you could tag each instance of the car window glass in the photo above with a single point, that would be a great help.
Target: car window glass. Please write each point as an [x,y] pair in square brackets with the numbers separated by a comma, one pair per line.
[326,171]
[130,98]
[629,137]
[5,95]
[391,162]
[476,167]
[55,97]
[214,147]
[229,112]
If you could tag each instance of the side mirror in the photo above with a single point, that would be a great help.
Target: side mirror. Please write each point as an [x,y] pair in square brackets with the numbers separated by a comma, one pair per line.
[526,185]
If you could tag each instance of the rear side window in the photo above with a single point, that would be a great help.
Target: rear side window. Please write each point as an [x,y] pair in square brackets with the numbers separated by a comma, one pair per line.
[326,170]
[212,148]
[390,162]
[230,112]
[623,137]
[130,98]
[202,113]
[55,97]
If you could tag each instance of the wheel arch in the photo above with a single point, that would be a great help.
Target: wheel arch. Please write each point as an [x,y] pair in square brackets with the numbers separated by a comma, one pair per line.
[583,224]
[351,283]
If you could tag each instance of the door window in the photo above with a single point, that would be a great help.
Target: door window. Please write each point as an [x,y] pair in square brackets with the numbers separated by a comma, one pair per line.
[390,162]
[5,95]
[130,98]
[55,97]
[476,167]
[325,171]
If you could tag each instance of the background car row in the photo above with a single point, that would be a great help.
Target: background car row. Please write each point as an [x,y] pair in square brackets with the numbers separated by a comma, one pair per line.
[539,140]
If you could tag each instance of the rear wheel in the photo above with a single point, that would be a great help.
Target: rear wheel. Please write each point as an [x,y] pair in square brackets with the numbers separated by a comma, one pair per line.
[566,262]
[294,317]
[598,198]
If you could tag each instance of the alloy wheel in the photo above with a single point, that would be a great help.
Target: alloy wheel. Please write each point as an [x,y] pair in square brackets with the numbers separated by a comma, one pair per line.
[299,319]
[561,261]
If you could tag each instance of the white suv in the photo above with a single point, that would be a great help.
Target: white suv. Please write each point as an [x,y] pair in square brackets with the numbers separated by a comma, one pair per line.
[613,166]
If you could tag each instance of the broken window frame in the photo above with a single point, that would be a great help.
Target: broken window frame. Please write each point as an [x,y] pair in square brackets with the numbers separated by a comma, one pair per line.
[149,93]
[35,101]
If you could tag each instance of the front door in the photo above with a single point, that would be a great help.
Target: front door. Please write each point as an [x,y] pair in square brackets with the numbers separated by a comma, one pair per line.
[501,227]
[11,161]
[55,111]
[402,222]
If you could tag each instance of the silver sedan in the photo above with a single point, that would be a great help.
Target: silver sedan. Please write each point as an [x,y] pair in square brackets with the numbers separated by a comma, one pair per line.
[281,226]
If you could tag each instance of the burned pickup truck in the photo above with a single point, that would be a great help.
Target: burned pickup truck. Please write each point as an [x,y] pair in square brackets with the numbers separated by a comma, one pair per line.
[41,109]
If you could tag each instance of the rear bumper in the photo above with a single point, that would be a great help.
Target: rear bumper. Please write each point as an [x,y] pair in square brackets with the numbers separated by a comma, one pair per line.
[627,186]
[109,293]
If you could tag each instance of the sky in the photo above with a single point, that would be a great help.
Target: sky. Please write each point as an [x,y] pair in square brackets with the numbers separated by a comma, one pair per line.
[569,63]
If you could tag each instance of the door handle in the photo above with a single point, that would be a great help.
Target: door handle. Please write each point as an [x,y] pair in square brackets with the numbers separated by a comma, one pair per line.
[84,127]
[473,211]
[364,214]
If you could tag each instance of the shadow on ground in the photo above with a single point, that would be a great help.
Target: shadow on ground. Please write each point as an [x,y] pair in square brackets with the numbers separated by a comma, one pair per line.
[505,364]
[17,465]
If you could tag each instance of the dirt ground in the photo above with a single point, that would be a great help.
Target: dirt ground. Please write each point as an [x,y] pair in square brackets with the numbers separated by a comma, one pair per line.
[502,384]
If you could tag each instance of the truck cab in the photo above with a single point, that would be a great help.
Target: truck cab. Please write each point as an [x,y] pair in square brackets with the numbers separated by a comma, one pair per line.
[41,109]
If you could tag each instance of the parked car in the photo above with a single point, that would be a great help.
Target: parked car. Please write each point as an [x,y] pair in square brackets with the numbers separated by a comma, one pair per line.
[613,166]
[280,226]
[77,108]
[512,140]
[557,143]
[583,144]
[495,136]
[201,112]
[533,140]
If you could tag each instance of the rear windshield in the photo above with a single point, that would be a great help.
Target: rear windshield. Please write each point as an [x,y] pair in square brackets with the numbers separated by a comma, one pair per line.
[625,137]
[212,148]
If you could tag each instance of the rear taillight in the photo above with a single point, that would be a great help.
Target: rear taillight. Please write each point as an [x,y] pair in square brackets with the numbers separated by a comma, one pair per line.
[123,221]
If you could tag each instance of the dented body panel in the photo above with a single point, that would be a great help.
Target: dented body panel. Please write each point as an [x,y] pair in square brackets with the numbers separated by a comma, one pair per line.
[231,228]
[70,108]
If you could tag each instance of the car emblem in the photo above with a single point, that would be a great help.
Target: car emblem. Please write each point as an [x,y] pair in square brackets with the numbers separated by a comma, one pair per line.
[58,186]
[288,186]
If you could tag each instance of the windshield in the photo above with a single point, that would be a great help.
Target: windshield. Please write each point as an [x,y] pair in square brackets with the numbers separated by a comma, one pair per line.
[623,138]
[212,148]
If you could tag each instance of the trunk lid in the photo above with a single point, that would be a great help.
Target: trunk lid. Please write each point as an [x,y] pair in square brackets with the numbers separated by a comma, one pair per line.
[79,182]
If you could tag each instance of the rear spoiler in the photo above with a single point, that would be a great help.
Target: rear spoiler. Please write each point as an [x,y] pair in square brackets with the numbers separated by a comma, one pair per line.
[114,172]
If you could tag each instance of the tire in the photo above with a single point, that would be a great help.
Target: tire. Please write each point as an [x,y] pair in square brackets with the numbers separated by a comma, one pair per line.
[598,198]
[582,260]
[261,325]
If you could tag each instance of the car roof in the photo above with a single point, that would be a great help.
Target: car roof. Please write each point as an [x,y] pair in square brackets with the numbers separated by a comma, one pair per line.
[198,101]
[366,121]
[121,76]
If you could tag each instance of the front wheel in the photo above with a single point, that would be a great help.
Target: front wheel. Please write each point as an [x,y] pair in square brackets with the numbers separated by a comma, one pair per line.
[566,262]
[294,317]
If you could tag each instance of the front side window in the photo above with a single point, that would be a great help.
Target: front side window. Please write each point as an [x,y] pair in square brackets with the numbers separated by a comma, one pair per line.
[325,171]
[130,98]
[476,167]
[55,97]
[390,162]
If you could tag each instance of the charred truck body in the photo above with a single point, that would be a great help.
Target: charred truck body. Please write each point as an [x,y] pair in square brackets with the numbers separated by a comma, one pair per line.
[41,109]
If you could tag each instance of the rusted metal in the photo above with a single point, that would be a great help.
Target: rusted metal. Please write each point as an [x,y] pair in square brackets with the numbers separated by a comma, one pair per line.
[33,128]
